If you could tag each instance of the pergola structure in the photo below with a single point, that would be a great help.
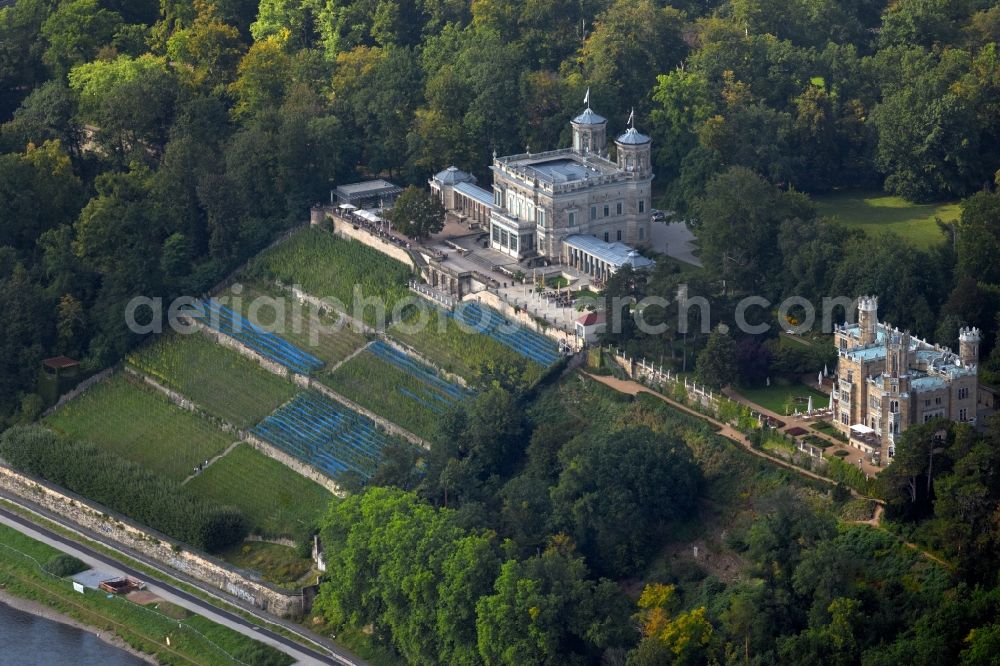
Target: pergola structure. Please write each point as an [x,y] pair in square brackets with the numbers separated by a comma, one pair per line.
[376,193]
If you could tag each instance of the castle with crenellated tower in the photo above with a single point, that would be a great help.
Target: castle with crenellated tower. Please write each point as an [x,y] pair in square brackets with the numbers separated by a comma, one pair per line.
[888,380]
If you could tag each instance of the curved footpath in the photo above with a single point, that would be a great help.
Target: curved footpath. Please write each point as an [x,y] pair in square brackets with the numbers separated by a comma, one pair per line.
[98,560]
[631,387]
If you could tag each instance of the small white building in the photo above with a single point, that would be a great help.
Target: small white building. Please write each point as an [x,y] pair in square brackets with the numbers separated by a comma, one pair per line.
[589,326]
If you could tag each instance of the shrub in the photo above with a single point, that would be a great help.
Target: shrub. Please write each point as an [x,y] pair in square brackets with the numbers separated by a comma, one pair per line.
[258,654]
[63,565]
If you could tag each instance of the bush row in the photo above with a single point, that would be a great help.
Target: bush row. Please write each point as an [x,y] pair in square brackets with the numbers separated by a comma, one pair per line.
[123,487]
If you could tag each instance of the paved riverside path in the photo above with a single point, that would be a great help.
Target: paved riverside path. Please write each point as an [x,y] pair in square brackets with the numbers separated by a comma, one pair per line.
[98,560]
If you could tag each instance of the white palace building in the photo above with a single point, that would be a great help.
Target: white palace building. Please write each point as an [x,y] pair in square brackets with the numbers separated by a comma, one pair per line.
[571,205]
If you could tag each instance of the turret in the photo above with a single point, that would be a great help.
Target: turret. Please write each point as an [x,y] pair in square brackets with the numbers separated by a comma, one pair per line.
[867,319]
[897,358]
[633,150]
[968,345]
[590,131]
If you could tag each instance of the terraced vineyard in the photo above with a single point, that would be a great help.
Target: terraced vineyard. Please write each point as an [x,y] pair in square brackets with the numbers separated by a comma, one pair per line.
[276,500]
[324,434]
[270,346]
[397,387]
[535,346]
[463,351]
[141,425]
[326,265]
[218,379]
[329,341]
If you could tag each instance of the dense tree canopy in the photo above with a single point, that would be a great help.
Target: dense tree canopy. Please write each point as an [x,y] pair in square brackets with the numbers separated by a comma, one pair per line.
[242,111]
[150,147]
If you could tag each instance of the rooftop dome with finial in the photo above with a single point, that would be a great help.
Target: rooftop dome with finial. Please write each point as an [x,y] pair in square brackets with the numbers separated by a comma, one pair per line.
[452,176]
[632,137]
[588,117]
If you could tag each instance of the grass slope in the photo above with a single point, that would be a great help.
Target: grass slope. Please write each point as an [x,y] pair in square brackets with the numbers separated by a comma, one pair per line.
[134,421]
[276,500]
[216,378]
[875,212]
[326,266]
[443,342]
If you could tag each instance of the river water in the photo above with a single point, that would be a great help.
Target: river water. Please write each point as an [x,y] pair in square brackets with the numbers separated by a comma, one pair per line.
[26,640]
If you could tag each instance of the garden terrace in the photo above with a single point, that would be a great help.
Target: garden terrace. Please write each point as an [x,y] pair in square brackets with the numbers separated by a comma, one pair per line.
[329,341]
[325,434]
[270,346]
[783,398]
[328,266]
[397,387]
[277,501]
[220,380]
[131,420]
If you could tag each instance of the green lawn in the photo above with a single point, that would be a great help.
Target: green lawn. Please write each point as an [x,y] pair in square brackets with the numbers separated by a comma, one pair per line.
[388,391]
[216,378]
[276,500]
[193,640]
[305,328]
[778,445]
[326,266]
[875,212]
[134,421]
[781,398]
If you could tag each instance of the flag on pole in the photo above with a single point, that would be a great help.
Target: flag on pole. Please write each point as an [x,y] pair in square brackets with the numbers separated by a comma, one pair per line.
[631,118]
[586,98]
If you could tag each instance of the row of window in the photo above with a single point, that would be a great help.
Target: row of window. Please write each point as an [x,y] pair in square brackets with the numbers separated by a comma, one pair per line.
[519,207]
[619,207]
[510,241]
[618,235]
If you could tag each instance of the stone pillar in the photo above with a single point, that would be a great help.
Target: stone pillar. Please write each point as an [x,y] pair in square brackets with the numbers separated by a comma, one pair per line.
[316,216]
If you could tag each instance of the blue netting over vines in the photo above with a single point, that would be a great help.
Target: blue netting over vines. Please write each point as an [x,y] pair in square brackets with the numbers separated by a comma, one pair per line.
[521,339]
[268,345]
[324,434]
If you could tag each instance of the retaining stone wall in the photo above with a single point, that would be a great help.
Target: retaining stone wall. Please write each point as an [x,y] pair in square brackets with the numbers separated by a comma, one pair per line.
[347,230]
[93,517]
[350,404]
[524,318]
[79,388]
